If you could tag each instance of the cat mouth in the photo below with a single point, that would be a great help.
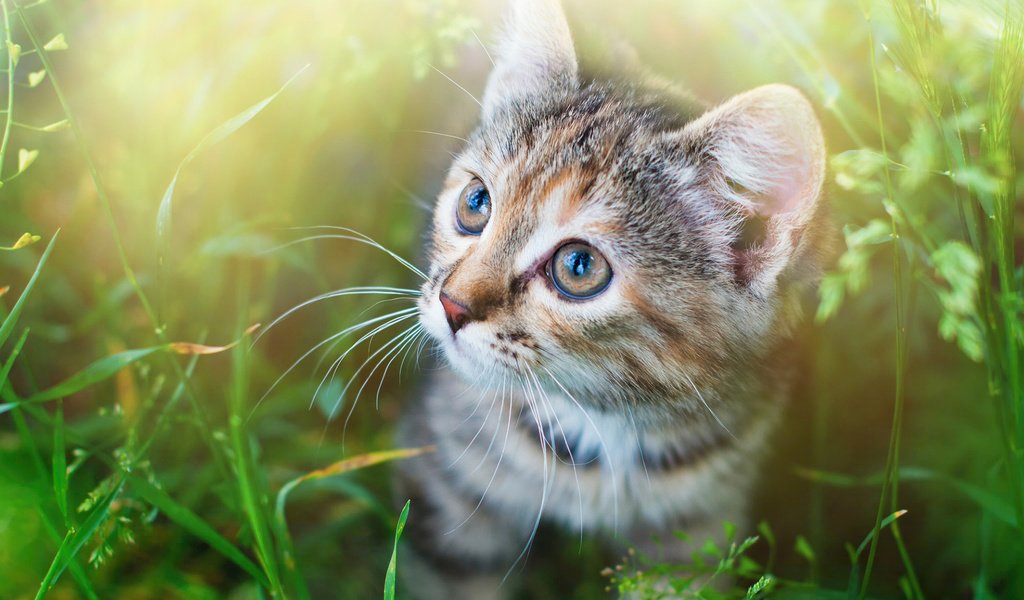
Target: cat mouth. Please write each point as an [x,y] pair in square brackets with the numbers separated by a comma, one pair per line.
[476,355]
[472,349]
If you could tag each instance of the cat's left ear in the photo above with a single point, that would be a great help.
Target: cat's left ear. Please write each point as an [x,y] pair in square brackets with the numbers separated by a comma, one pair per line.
[766,161]
[535,55]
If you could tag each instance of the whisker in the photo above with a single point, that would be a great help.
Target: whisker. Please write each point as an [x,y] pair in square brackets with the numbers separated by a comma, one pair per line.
[422,332]
[354,236]
[547,478]
[479,400]
[706,405]
[600,439]
[439,134]
[494,474]
[639,446]
[483,47]
[416,200]
[487,419]
[352,291]
[494,436]
[390,344]
[384,375]
[333,369]
[456,84]
[568,447]
[332,338]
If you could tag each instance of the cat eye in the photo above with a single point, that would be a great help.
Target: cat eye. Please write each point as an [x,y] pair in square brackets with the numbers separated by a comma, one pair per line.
[578,271]
[473,209]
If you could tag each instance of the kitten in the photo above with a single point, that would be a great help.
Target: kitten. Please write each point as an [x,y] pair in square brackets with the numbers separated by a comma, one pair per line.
[614,338]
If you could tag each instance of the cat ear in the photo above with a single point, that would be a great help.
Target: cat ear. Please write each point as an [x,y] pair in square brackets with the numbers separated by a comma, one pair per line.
[768,164]
[535,54]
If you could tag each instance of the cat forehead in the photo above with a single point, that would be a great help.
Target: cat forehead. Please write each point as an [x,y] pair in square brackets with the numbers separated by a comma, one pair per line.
[589,166]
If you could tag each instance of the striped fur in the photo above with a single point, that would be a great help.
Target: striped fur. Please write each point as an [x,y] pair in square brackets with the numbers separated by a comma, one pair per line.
[646,408]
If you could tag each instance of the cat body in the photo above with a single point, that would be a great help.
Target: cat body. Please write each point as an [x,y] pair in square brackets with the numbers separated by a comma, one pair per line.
[614,347]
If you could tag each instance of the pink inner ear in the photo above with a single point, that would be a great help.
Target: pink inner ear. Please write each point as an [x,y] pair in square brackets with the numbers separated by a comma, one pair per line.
[791,191]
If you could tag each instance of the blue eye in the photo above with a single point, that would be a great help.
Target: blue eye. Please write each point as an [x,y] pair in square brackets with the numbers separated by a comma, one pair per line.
[474,208]
[578,271]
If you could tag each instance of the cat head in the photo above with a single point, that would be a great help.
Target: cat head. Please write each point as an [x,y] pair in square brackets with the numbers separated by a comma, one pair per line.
[613,238]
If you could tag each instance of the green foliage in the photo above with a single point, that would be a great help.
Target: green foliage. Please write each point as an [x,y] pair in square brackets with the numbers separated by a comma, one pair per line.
[131,465]
[390,580]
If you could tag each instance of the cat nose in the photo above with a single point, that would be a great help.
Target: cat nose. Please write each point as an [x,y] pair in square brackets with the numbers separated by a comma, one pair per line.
[457,314]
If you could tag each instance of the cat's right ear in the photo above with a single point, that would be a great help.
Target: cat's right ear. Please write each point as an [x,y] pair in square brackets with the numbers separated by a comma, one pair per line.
[535,55]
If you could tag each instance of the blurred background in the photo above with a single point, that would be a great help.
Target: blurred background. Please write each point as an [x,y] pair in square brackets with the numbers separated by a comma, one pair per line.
[128,483]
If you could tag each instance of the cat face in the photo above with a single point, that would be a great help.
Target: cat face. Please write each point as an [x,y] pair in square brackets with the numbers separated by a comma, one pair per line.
[590,235]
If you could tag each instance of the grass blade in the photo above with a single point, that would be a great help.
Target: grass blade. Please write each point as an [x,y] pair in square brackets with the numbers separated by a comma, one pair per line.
[108,366]
[60,468]
[344,466]
[196,526]
[339,468]
[991,503]
[8,325]
[248,482]
[100,370]
[221,132]
[885,523]
[74,540]
[6,369]
[389,579]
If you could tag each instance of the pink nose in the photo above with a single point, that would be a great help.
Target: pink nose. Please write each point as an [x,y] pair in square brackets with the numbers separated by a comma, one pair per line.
[456,314]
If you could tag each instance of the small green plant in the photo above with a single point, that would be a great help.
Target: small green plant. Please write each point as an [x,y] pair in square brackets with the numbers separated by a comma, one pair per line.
[715,571]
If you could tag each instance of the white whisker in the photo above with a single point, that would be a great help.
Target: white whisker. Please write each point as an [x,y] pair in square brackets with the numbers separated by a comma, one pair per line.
[494,436]
[704,402]
[547,475]
[456,84]
[487,419]
[333,338]
[604,447]
[354,236]
[439,134]
[332,370]
[484,47]
[568,446]
[639,446]
[389,348]
[403,293]
[417,329]
[494,474]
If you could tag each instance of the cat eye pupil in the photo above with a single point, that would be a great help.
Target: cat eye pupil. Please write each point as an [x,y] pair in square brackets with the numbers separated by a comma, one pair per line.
[578,271]
[473,209]
[579,262]
[477,199]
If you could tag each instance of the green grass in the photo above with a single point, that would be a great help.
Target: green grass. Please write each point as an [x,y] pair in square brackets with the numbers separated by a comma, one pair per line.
[136,460]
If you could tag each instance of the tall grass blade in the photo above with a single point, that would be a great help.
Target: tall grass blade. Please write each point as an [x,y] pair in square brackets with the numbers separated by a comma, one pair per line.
[5,371]
[102,369]
[221,132]
[251,494]
[389,579]
[12,318]
[339,468]
[345,466]
[76,539]
[60,467]
[196,526]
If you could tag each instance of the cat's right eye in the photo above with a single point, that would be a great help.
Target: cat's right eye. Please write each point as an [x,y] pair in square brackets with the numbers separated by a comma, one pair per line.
[474,208]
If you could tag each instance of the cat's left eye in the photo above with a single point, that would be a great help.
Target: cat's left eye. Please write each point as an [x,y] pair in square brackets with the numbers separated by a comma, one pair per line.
[578,271]
[474,208]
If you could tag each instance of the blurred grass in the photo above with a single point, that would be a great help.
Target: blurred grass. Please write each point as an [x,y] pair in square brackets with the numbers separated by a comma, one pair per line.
[111,477]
